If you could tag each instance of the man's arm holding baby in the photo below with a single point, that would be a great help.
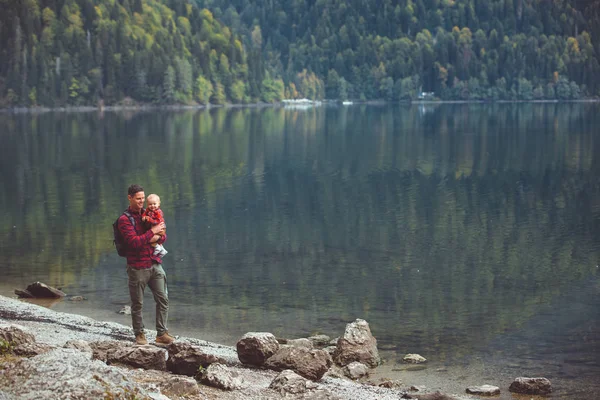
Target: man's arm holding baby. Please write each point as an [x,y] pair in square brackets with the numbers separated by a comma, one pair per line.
[160,234]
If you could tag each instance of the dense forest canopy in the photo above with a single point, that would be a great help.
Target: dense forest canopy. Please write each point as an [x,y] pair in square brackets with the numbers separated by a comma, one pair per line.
[81,52]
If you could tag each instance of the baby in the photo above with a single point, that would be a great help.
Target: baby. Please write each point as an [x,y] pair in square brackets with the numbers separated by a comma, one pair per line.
[153,215]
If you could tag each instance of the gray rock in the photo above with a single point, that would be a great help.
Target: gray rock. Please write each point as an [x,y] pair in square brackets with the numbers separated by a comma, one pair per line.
[331,350]
[15,335]
[357,344]
[256,347]
[179,386]
[146,357]
[311,364]
[5,396]
[80,345]
[222,377]
[484,390]
[32,349]
[320,340]
[290,382]
[126,310]
[355,370]
[77,298]
[531,386]
[303,342]
[335,371]
[185,359]
[389,383]
[430,396]
[66,374]
[414,359]
[102,349]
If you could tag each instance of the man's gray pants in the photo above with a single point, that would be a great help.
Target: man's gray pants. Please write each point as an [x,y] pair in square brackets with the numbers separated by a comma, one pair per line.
[156,279]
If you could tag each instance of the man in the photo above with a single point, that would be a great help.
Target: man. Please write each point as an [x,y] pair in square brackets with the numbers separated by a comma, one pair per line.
[144,268]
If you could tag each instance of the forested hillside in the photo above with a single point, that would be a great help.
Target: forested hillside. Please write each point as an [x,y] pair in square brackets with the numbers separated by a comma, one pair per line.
[80,52]
[460,49]
[85,52]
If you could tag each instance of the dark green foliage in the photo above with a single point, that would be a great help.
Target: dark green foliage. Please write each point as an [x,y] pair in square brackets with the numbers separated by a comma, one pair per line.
[459,49]
[79,52]
[76,52]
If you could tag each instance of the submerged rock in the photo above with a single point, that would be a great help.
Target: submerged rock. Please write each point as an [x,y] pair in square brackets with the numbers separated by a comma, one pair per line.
[414,359]
[531,386]
[40,290]
[484,390]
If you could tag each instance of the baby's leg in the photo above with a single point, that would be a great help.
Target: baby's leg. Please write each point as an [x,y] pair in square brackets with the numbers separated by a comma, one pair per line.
[157,249]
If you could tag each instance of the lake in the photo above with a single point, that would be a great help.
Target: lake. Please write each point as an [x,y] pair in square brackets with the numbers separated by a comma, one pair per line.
[467,233]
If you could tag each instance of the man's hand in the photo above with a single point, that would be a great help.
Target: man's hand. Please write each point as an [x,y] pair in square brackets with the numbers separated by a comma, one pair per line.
[158,228]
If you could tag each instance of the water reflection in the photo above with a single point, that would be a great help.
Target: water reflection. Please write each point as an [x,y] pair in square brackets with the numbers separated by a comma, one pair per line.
[446,229]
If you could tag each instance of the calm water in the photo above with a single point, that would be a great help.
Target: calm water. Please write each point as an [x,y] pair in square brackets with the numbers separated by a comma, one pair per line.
[469,234]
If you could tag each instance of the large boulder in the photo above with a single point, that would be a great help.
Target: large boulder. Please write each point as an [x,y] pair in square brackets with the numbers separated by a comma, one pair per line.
[531,386]
[40,290]
[66,374]
[15,335]
[146,357]
[311,364]
[185,359]
[357,344]
[255,348]
[222,377]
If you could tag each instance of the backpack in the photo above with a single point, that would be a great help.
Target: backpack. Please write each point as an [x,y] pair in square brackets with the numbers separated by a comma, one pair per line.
[118,240]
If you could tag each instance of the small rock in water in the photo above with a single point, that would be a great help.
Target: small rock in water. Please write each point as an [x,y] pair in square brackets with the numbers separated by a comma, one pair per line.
[531,386]
[125,310]
[77,298]
[484,390]
[414,359]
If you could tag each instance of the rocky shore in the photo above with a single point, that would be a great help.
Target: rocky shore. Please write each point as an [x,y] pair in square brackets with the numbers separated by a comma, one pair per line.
[52,355]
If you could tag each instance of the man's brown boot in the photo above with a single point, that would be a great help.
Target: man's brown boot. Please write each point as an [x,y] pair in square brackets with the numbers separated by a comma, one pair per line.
[165,338]
[140,338]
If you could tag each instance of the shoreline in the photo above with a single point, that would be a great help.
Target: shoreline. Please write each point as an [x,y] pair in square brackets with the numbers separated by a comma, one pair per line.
[56,327]
[183,107]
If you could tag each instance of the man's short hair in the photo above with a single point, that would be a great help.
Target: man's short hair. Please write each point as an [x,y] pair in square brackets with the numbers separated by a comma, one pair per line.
[133,189]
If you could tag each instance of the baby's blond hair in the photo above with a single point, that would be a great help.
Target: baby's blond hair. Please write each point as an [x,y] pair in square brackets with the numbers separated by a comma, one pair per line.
[153,196]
